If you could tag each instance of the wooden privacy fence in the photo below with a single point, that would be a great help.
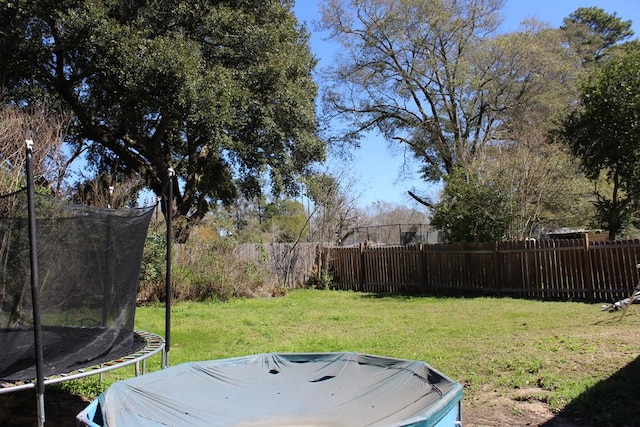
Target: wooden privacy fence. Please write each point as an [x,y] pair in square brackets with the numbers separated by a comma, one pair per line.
[545,269]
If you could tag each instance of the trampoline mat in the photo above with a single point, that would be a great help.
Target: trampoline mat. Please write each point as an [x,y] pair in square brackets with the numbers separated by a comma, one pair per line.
[65,349]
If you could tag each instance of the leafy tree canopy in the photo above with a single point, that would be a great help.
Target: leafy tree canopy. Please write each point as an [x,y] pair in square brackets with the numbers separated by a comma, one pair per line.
[471,210]
[219,90]
[286,221]
[591,32]
[605,133]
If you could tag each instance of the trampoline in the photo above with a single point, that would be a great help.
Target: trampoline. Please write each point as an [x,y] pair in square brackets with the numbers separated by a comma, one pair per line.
[314,389]
[73,315]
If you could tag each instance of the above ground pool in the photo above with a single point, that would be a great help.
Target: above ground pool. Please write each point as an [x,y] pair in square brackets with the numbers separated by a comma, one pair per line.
[312,389]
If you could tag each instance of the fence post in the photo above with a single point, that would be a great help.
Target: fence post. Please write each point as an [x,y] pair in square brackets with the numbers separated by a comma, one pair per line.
[497,274]
[361,266]
[588,278]
[422,265]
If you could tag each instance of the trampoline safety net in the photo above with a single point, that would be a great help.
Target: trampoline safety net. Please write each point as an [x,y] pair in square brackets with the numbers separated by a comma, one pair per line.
[88,269]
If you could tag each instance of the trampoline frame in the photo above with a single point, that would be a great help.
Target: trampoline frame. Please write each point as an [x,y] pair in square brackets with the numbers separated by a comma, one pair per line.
[154,344]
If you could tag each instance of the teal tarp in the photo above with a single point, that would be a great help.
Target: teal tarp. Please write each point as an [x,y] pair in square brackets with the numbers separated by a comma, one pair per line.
[319,389]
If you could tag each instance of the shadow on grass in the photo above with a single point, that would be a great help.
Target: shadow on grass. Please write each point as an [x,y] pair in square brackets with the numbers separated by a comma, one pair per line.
[19,409]
[401,296]
[611,402]
[409,294]
[396,296]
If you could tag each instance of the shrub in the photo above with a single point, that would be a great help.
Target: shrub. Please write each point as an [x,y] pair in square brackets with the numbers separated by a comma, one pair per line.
[320,277]
[201,271]
[153,268]
[212,271]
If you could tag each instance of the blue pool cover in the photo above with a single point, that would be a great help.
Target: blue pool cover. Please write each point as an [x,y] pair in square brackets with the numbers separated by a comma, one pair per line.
[312,389]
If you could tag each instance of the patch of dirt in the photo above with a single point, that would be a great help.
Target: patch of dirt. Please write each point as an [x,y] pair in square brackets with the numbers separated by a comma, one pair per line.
[488,409]
[19,409]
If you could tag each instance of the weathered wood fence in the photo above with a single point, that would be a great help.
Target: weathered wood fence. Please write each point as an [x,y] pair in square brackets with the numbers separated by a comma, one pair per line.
[291,264]
[545,269]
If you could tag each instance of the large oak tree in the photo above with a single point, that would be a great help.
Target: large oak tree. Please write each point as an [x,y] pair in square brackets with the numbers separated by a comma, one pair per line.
[406,70]
[434,77]
[219,90]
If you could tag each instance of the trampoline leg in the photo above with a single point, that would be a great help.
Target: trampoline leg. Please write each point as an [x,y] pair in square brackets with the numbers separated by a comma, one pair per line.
[41,416]
[165,359]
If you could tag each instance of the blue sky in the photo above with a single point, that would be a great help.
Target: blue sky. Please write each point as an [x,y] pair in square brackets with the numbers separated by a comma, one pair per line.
[376,168]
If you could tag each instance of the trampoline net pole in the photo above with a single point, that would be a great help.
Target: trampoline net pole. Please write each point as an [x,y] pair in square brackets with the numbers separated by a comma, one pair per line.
[168,293]
[33,257]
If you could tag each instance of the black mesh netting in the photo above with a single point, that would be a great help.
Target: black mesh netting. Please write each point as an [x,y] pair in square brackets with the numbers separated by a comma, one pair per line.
[89,265]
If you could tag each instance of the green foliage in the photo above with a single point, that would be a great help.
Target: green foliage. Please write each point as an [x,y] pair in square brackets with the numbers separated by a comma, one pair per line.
[153,267]
[591,32]
[285,221]
[255,221]
[220,91]
[470,211]
[321,277]
[211,271]
[205,268]
[242,220]
[540,184]
[614,215]
[323,188]
[604,134]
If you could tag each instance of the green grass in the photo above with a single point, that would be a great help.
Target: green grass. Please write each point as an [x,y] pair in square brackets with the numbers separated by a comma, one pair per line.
[550,351]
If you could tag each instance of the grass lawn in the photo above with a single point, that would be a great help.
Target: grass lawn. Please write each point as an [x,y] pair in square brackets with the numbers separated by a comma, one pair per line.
[560,354]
